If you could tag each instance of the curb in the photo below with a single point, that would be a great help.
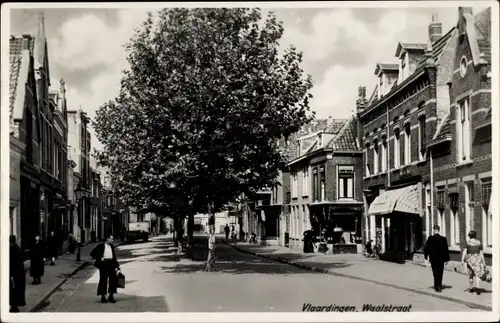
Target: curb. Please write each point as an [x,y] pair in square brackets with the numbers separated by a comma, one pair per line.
[47,295]
[327,271]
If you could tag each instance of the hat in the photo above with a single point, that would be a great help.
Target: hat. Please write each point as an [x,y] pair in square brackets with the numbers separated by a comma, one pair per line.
[436,227]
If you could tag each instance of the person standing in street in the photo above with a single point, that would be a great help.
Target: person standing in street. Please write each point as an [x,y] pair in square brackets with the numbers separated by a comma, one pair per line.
[37,259]
[105,260]
[436,251]
[226,231]
[473,261]
[17,295]
[52,244]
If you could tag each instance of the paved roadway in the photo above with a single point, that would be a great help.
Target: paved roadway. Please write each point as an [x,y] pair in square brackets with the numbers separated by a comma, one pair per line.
[159,281]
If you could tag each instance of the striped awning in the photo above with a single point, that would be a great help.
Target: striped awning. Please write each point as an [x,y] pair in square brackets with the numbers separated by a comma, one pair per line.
[406,200]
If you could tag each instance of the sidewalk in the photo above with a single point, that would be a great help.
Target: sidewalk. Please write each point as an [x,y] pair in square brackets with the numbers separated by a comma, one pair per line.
[410,277]
[55,276]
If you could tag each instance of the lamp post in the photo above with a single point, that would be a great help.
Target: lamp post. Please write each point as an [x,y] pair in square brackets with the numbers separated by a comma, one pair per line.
[78,194]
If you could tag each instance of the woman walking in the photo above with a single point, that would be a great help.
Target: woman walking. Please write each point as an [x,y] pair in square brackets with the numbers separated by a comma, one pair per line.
[473,260]
[37,266]
[17,276]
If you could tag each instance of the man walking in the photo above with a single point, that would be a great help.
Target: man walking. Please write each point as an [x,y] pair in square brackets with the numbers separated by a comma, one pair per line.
[105,260]
[226,231]
[436,251]
[17,276]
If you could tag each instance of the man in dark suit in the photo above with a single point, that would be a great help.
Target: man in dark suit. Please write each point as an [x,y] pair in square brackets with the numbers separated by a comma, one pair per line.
[105,259]
[436,250]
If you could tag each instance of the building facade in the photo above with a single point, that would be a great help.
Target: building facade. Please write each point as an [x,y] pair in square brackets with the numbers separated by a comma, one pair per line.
[79,153]
[427,139]
[461,149]
[408,103]
[326,195]
[25,130]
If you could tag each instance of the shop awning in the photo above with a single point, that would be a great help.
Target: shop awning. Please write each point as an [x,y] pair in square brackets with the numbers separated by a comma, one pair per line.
[406,199]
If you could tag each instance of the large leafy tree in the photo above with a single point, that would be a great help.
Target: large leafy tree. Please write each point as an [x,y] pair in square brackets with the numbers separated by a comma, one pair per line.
[202,107]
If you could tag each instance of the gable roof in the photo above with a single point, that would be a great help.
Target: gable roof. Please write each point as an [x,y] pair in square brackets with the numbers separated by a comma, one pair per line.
[386,67]
[346,139]
[437,50]
[19,60]
[482,23]
[409,47]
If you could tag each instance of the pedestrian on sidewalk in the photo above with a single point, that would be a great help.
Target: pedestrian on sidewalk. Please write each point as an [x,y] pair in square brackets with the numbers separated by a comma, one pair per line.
[37,259]
[52,244]
[473,260]
[105,260]
[226,231]
[71,243]
[17,295]
[436,251]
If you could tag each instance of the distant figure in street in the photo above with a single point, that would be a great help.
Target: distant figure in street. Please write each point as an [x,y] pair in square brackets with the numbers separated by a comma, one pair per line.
[37,260]
[226,231]
[105,260]
[17,276]
[473,260]
[436,250]
[52,245]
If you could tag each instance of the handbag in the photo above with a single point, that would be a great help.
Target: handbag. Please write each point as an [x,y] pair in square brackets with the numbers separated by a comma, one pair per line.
[120,280]
[486,276]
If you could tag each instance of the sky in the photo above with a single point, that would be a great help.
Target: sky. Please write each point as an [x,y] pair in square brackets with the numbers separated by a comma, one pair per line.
[341,48]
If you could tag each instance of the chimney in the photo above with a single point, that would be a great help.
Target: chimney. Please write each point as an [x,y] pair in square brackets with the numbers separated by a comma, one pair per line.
[435,29]
[462,11]
[361,101]
[26,42]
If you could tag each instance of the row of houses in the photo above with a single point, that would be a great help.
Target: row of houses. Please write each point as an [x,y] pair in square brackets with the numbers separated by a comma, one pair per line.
[53,184]
[416,154]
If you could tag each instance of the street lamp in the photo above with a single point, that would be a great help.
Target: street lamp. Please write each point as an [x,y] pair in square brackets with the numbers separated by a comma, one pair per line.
[78,194]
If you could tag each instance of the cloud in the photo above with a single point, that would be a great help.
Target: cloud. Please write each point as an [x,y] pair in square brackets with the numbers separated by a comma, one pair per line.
[346,48]
[85,43]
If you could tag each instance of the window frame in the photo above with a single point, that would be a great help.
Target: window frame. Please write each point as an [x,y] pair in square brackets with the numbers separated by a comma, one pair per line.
[397,148]
[340,178]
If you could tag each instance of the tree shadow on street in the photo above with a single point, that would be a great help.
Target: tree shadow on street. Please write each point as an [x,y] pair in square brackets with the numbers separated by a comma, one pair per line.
[231,261]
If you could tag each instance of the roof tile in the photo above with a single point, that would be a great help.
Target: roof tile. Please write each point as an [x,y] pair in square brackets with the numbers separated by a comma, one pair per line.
[346,140]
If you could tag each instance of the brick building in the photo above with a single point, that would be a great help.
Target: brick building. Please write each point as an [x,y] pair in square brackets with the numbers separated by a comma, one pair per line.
[409,102]
[461,149]
[326,184]
[436,116]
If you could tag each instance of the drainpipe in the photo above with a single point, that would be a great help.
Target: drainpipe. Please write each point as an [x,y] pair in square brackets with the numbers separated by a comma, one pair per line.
[432,188]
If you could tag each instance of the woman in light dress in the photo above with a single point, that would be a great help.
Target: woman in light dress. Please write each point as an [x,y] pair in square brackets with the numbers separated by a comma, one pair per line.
[473,260]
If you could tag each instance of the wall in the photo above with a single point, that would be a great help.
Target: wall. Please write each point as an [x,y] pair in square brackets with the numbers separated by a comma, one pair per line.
[16,149]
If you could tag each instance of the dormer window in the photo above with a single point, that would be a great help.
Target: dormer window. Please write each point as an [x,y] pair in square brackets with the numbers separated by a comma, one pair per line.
[381,91]
[403,66]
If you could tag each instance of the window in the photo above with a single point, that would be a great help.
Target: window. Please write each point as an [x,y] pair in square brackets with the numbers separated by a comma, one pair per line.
[375,157]
[294,185]
[322,187]
[305,182]
[469,206]
[403,66]
[407,143]
[383,152]
[463,131]
[397,149]
[454,227]
[315,185]
[463,66]
[421,138]
[345,176]
[12,218]
[381,86]
[367,160]
[487,218]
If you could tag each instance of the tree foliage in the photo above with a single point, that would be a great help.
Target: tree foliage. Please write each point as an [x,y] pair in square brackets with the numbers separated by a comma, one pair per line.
[207,97]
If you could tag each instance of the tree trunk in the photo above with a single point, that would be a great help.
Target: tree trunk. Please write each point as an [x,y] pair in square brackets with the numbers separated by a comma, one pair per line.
[211,241]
